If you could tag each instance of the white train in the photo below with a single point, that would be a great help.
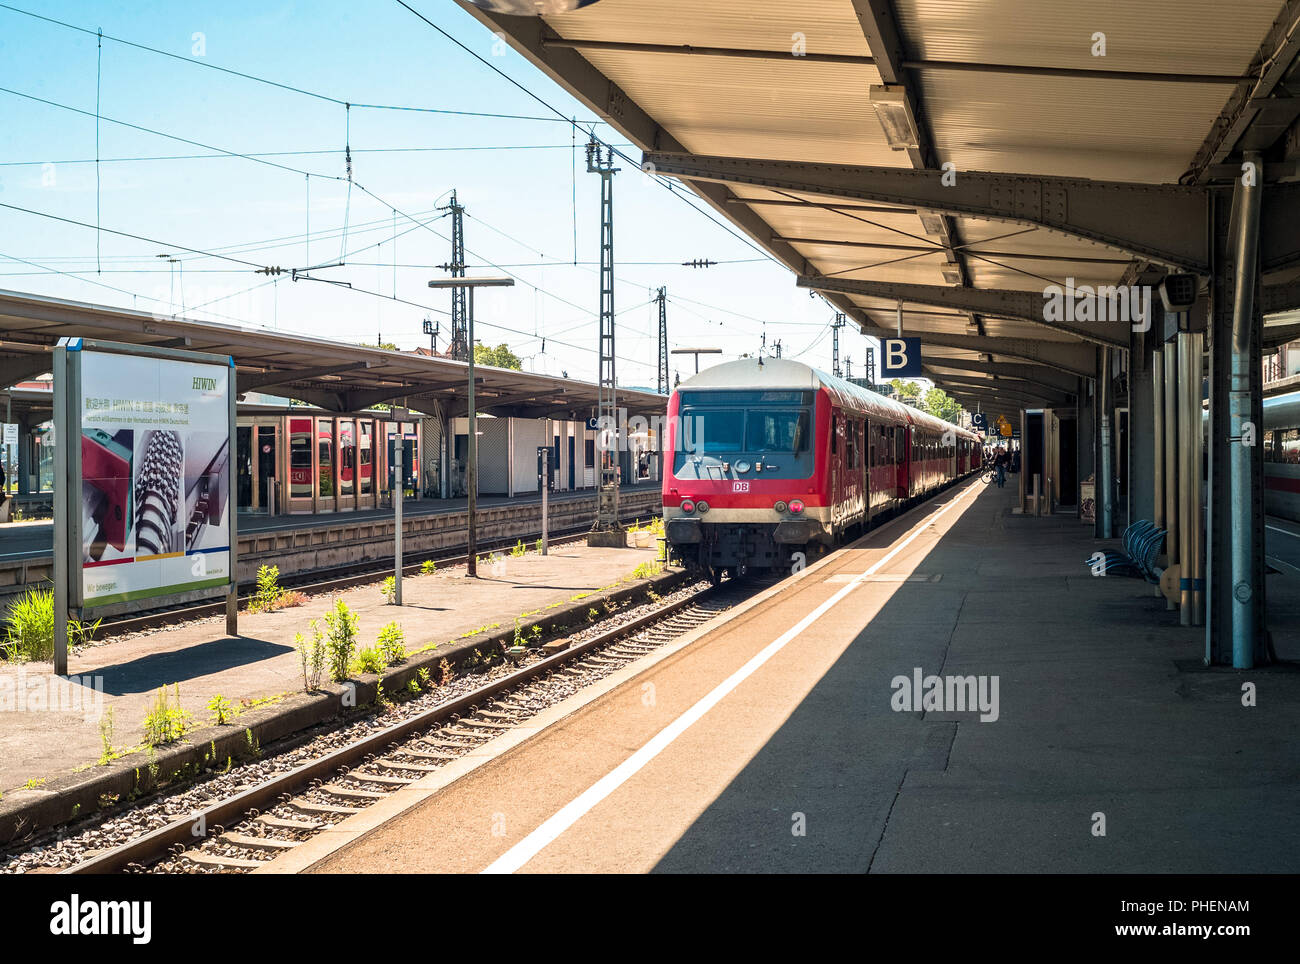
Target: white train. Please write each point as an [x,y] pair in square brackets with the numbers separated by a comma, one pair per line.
[1282,456]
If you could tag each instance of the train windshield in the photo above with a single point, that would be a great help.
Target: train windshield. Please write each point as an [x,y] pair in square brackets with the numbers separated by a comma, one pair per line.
[718,430]
[724,428]
[776,432]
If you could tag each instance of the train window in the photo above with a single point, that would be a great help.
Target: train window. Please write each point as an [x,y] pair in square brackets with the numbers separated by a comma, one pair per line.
[300,458]
[347,457]
[744,399]
[835,434]
[715,430]
[1282,445]
[776,431]
[364,456]
[325,449]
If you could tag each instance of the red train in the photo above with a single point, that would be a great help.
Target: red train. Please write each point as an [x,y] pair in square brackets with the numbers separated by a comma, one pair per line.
[764,459]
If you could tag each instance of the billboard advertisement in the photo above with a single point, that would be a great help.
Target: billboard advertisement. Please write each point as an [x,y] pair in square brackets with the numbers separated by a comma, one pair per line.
[154,460]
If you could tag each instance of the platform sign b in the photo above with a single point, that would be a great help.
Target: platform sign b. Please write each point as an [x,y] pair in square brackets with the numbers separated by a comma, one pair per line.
[900,358]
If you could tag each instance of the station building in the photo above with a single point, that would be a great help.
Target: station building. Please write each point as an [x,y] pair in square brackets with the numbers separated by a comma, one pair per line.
[325,442]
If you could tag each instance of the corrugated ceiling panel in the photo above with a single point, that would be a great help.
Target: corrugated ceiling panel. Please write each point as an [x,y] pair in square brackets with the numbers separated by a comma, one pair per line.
[753,108]
[829,26]
[1102,129]
[1188,36]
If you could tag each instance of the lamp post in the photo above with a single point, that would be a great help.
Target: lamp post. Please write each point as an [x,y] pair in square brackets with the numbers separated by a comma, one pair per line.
[471,469]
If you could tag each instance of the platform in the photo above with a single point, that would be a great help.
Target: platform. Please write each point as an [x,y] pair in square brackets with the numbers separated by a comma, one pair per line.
[262,664]
[773,743]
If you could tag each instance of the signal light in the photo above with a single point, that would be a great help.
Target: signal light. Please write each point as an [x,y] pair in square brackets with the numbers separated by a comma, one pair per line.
[702,507]
[688,506]
[796,506]
[780,507]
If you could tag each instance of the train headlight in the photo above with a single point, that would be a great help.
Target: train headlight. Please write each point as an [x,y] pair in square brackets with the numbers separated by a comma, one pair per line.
[702,507]
[688,506]
[780,506]
[796,506]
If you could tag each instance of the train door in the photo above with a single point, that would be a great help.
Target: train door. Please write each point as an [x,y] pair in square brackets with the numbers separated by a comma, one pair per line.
[902,447]
[855,490]
[266,441]
[835,494]
[244,464]
[872,456]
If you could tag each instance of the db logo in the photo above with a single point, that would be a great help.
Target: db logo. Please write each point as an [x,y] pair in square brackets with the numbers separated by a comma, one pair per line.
[739,486]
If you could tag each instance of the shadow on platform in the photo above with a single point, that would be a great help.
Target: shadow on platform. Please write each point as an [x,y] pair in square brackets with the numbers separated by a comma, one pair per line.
[1095,715]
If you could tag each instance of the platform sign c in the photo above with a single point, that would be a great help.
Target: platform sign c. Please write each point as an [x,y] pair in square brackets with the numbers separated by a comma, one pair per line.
[900,357]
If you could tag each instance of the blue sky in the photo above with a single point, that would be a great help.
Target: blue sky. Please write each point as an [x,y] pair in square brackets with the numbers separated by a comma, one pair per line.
[519,194]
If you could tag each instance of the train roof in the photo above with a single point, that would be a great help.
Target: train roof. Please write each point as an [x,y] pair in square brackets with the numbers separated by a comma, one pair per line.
[1282,411]
[785,373]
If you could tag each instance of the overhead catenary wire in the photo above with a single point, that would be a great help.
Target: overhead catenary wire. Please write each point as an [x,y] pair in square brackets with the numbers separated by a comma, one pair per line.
[589,127]
[217,152]
[264,80]
[225,155]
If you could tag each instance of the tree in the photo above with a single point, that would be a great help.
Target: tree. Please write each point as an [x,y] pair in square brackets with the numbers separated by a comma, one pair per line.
[499,357]
[904,389]
[939,404]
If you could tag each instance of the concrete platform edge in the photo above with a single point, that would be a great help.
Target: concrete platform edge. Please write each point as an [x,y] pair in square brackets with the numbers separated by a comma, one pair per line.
[75,795]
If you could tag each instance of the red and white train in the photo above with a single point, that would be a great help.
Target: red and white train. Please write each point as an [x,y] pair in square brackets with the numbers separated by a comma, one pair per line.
[1282,456]
[767,458]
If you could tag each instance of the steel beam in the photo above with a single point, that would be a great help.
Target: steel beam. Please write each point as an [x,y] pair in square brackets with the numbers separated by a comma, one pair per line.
[1076,359]
[1165,223]
[1039,375]
[858,60]
[22,367]
[1020,389]
[576,75]
[1279,241]
[1280,335]
[1010,390]
[988,404]
[1026,306]
[879,28]
[254,381]
[1254,94]
[967,248]
[1278,298]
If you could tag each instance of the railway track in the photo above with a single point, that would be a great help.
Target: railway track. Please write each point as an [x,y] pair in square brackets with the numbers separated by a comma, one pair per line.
[250,822]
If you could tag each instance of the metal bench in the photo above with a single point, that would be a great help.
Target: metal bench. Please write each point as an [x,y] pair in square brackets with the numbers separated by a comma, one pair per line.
[1142,543]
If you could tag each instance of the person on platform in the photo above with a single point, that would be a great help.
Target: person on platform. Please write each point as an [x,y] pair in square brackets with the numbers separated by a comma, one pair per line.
[1000,466]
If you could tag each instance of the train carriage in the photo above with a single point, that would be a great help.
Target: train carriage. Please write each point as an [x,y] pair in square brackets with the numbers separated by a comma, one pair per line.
[1282,456]
[765,458]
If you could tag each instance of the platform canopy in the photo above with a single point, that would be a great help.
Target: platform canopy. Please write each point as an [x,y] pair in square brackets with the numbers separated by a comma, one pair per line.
[333,375]
[1080,140]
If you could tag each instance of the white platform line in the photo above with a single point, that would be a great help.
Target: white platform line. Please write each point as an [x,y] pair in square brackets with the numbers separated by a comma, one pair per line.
[528,848]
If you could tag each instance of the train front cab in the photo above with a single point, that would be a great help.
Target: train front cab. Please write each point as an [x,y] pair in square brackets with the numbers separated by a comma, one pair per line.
[747,483]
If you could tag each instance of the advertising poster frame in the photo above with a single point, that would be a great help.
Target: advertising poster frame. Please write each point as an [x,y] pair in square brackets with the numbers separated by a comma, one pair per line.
[70,599]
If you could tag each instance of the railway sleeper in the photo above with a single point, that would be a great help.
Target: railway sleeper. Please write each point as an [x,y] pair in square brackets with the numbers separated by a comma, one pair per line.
[257,843]
[403,765]
[352,793]
[379,778]
[225,863]
[324,809]
[283,823]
